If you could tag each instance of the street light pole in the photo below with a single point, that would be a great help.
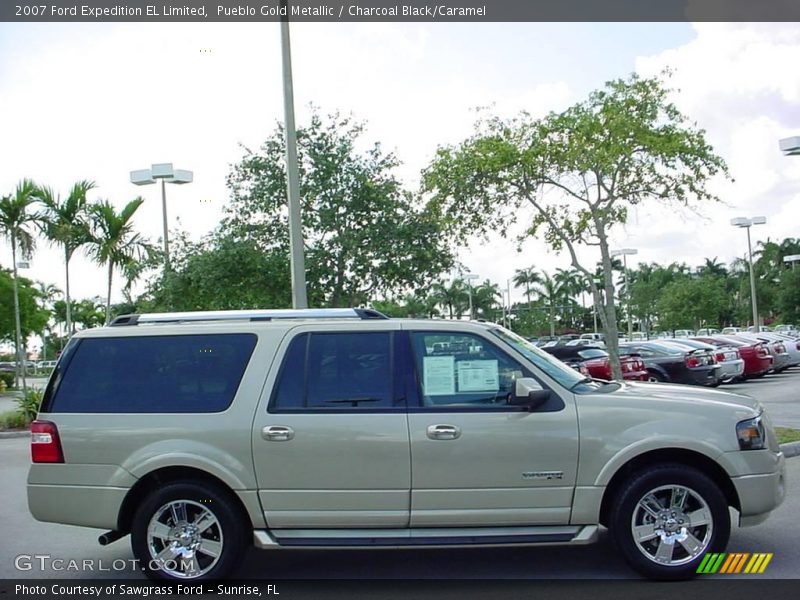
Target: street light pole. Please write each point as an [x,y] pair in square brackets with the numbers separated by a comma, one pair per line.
[166,174]
[624,253]
[746,224]
[299,298]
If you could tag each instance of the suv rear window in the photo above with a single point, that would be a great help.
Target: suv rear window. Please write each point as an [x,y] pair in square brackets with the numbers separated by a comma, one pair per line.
[151,374]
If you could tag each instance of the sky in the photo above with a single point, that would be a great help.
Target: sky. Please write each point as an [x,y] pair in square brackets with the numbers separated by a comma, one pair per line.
[95,101]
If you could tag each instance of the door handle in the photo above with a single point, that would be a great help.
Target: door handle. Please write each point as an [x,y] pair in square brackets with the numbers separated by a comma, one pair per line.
[443,432]
[277,433]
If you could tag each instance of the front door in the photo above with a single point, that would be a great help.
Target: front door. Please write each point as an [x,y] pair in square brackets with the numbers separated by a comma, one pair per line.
[476,461]
[332,449]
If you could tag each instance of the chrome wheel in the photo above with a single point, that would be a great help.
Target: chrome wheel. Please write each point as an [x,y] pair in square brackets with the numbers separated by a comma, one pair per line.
[184,539]
[672,525]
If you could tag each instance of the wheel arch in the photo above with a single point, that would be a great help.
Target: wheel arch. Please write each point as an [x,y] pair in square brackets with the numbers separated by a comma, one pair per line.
[682,456]
[166,475]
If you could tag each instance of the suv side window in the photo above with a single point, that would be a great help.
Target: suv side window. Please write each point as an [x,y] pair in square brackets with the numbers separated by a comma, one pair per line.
[150,374]
[338,371]
[463,370]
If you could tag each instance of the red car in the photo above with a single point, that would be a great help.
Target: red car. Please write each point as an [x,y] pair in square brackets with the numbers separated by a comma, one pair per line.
[595,360]
[757,360]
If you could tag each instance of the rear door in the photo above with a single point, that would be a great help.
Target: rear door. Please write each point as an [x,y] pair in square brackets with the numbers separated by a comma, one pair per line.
[330,441]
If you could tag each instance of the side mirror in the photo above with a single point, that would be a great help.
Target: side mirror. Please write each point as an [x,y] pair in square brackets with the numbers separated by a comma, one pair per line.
[528,393]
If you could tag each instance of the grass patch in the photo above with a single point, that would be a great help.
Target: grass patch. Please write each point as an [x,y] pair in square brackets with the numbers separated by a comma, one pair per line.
[13,420]
[786,434]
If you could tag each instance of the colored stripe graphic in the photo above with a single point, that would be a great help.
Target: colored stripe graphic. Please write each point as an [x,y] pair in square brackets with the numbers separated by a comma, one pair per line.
[758,563]
[711,562]
[734,563]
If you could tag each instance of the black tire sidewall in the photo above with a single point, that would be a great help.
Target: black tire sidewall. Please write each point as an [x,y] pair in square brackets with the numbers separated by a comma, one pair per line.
[213,499]
[636,487]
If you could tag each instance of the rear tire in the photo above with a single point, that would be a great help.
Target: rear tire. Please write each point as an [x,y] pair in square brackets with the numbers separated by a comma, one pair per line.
[188,531]
[665,519]
[655,377]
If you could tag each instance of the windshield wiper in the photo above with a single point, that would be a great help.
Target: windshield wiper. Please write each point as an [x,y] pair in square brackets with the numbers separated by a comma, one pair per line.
[580,381]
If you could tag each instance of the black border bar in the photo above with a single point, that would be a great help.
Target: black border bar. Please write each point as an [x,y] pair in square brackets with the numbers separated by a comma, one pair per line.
[432,11]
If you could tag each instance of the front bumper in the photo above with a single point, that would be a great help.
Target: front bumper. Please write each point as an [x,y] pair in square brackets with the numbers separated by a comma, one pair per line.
[760,494]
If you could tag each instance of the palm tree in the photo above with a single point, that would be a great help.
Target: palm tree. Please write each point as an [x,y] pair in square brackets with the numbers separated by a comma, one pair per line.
[48,294]
[550,291]
[455,296]
[65,224]
[526,278]
[485,298]
[113,242]
[16,224]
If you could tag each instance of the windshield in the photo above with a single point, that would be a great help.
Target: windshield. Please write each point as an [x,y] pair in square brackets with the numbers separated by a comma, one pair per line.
[588,353]
[564,375]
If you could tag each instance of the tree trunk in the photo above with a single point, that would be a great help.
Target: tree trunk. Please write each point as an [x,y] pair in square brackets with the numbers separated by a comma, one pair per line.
[552,320]
[609,313]
[18,323]
[67,296]
[108,298]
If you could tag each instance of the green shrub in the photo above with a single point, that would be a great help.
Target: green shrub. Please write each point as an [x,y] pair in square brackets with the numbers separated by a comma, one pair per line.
[7,377]
[29,404]
[3,386]
[13,420]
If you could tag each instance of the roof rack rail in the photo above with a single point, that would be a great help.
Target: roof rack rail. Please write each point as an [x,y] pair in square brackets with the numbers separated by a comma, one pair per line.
[247,315]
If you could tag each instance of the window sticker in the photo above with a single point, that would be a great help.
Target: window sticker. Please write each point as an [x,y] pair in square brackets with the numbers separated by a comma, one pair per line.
[478,376]
[438,375]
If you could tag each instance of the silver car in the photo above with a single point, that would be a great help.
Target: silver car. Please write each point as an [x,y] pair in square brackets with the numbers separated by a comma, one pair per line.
[731,365]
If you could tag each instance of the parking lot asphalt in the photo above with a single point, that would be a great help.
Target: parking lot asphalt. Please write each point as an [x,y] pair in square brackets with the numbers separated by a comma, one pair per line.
[778,392]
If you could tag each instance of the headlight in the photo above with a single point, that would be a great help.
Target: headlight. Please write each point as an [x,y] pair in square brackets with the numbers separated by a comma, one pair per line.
[751,434]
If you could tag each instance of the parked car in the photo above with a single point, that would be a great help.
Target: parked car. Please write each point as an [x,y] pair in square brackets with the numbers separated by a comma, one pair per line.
[46,364]
[706,332]
[597,339]
[777,349]
[761,329]
[596,361]
[683,333]
[8,367]
[200,434]
[790,345]
[731,330]
[787,330]
[666,362]
[731,365]
[756,356]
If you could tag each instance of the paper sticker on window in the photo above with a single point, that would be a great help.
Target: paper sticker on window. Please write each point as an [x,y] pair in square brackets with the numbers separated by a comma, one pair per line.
[438,375]
[478,376]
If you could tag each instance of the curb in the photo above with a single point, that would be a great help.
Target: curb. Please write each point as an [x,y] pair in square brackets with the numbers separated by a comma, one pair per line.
[791,449]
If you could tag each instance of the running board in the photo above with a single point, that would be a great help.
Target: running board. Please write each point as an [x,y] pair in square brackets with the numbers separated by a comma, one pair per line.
[430,537]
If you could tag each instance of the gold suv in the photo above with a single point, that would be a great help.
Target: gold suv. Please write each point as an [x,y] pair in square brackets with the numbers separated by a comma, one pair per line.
[201,433]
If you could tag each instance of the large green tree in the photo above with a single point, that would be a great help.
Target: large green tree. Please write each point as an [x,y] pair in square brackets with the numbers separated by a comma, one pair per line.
[33,313]
[222,273]
[579,172]
[365,236]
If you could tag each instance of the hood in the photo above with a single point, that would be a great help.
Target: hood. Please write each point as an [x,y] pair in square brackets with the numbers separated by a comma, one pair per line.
[687,395]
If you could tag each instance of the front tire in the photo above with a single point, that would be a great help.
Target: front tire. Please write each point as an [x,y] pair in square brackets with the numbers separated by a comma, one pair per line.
[188,531]
[665,519]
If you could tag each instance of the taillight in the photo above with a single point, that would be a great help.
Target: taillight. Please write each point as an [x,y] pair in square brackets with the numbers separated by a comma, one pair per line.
[583,370]
[798,345]
[762,351]
[692,361]
[45,443]
[720,356]
[780,349]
